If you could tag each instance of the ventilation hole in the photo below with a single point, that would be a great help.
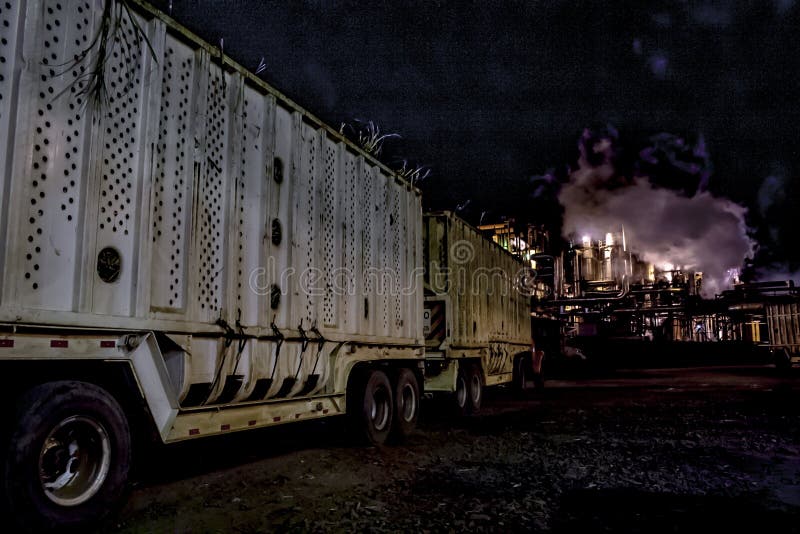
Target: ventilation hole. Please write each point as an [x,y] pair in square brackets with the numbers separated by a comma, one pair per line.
[277,170]
[277,232]
[274,297]
[109,265]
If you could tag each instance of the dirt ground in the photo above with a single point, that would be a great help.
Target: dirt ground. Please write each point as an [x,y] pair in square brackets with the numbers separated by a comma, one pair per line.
[637,451]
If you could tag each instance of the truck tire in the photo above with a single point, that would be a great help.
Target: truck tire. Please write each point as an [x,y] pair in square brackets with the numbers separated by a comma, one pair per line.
[538,380]
[475,388]
[538,370]
[783,360]
[373,407]
[406,404]
[461,394]
[525,376]
[522,375]
[67,461]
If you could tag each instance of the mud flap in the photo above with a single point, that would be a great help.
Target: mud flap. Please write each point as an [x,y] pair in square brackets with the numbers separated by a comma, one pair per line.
[260,390]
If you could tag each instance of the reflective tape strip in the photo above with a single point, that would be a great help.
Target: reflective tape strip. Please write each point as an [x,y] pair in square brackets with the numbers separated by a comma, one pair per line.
[435,321]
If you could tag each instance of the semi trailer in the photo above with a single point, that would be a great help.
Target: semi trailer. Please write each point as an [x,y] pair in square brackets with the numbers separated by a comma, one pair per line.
[187,252]
[477,316]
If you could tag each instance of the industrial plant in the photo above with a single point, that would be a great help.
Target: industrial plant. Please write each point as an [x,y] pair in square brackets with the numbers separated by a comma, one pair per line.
[606,298]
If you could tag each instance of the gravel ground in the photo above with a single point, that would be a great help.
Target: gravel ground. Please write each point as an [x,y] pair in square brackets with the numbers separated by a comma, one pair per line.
[645,451]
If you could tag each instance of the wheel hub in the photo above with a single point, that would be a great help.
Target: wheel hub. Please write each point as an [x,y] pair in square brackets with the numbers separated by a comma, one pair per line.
[461,391]
[74,460]
[380,409]
[476,388]
[409,399]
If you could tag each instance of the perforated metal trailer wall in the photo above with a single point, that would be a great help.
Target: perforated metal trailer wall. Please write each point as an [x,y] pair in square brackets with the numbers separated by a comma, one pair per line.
[189,192]
[783,323]
[480,281]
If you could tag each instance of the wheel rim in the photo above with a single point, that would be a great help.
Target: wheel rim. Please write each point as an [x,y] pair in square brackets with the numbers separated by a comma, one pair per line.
[461,391]
[476,388]
[74,460]
[380,409]
[409,399]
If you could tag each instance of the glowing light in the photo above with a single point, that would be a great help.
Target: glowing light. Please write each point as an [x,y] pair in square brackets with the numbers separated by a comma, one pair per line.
[586,240]
[624,244]
[733,276]
[667,269]
[609,239]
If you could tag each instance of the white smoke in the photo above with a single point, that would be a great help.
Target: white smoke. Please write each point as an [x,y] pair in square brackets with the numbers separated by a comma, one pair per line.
[700,233]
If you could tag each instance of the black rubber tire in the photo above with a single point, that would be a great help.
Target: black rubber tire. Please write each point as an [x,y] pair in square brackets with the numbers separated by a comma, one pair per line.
[374,391]
[539,376]
[538,380]
[475,387]
[38,413]
[460,397]
[783,360]
[406,404]
[522,374]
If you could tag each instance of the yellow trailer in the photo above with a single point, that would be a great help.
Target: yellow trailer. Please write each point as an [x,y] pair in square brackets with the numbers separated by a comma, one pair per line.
[477,316]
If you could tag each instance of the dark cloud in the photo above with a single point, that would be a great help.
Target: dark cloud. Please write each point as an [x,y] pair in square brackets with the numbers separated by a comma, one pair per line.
[495,92]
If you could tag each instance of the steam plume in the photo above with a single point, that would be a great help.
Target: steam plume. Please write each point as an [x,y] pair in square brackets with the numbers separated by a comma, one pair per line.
[698,232]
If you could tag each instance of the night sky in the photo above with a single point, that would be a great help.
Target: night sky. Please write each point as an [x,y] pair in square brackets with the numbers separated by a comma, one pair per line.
[490,95]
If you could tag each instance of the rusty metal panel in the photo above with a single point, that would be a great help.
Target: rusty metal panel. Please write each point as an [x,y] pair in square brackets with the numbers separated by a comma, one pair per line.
[485,305]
